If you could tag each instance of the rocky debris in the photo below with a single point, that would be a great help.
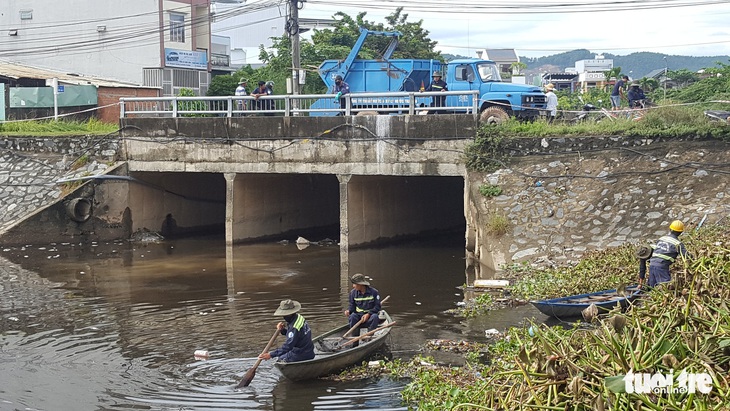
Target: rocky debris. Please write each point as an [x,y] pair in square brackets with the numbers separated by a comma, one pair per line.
[144,235]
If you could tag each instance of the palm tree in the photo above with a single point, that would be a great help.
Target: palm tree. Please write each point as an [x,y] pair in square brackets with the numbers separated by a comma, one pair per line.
[614,73]
[649,84]
[517,67]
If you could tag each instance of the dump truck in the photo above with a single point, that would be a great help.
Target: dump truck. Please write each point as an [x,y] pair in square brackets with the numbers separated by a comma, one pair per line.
[498,100]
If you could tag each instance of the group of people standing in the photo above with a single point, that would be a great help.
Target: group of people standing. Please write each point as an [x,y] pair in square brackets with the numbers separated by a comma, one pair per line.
[363,310]
[265,88]
[341,88]
[635,95]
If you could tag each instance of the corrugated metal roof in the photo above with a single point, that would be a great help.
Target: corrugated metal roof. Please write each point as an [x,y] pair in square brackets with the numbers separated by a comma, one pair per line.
[501,55]
[18,71]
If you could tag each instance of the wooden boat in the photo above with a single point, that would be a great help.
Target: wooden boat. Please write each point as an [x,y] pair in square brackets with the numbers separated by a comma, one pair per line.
[572,306]
[331,356]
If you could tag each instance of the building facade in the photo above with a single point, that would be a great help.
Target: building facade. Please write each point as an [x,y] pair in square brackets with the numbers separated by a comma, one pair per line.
[158,43]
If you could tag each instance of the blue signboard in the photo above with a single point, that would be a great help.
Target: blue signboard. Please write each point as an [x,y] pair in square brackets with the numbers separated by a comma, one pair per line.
[186,59]
[60,88]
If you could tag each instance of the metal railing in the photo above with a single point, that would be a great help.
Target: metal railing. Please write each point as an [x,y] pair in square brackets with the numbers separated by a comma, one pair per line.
[302,105]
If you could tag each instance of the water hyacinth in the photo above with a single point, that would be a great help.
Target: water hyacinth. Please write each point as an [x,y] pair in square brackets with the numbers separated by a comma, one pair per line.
[679,327]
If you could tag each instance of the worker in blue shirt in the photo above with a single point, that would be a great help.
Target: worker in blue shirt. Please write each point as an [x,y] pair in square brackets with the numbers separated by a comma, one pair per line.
[664,253]
[298,345]
[437,85]
[340,89]
[364,303]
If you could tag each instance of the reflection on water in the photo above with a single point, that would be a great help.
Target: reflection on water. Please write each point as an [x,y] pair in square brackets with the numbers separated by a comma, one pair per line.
[115,325]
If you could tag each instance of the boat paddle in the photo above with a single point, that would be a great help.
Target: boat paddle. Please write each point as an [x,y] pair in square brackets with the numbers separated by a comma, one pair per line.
[367,334]
[248,377]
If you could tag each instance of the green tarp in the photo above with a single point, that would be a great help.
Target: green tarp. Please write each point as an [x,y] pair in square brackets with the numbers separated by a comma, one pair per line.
[71,96]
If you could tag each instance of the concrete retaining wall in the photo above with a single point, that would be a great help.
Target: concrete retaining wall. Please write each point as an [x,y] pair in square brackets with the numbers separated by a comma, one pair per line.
[563,196]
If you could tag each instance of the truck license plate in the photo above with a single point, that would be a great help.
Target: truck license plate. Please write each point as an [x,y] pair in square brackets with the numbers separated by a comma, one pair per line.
[543,113]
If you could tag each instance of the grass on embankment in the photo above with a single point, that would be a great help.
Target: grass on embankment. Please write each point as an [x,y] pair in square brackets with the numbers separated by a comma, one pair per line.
[682,326]
[666,121]
[51,128]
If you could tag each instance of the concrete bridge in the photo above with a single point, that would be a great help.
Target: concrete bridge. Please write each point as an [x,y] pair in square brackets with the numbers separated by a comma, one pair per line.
[374,178]
[366,180]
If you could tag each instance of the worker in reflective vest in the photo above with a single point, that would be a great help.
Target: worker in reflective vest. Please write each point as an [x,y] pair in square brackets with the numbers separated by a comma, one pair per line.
[667,249]
[298,345]
[364,303]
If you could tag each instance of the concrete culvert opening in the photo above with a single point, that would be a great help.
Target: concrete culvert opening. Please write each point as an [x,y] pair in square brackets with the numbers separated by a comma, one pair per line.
[79,209]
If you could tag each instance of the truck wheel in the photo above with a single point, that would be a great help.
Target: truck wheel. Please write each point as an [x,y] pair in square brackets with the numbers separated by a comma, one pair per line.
[494,115]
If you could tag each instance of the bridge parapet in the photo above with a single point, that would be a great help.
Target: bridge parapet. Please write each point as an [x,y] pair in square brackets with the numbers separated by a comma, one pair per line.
[376,145]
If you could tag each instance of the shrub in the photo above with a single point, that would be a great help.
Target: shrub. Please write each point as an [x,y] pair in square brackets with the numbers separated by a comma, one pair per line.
[490,190]
[497,224]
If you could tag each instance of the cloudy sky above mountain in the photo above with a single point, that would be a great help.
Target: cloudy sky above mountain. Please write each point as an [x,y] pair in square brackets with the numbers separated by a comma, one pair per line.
[545,27]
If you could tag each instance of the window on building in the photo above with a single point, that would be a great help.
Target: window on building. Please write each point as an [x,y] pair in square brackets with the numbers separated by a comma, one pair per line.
[177,27]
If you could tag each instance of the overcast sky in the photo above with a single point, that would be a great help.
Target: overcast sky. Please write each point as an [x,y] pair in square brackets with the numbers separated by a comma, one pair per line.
[661,26]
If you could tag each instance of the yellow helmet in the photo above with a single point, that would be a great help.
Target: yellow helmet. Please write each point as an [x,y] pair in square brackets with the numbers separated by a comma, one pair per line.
[677,226]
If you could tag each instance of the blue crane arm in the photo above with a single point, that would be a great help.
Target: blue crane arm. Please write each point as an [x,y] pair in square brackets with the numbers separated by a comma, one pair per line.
[364,33]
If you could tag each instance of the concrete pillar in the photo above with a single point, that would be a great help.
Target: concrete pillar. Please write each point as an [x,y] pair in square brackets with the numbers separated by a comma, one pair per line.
[230,178]
[344,180]
[231,285]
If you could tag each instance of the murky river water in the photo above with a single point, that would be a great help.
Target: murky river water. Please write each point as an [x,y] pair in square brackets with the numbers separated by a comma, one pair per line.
[113,326]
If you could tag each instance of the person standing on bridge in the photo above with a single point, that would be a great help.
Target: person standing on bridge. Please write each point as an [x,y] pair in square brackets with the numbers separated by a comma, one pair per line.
[265,88]
[437,84]
[241,92]
[364,303]
[340,89]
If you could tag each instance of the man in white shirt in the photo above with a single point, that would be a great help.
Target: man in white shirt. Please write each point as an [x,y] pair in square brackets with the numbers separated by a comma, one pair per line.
[552,102]
[240,92]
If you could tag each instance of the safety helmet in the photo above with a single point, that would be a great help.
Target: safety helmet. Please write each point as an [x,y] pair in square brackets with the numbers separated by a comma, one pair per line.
[242,80]
[269,84]
[677,226]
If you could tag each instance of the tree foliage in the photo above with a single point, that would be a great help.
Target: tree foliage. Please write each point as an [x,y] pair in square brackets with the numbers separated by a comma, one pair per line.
[715,87]
[335,43]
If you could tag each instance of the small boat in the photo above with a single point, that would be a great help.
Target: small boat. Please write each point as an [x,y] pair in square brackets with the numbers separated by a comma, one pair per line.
[573,306]
[333,354]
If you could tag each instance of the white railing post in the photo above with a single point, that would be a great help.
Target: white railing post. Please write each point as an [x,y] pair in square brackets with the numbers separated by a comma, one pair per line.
[230,106]
[475,104]
[174,107]
[411,103]
[287,106]
[121,107]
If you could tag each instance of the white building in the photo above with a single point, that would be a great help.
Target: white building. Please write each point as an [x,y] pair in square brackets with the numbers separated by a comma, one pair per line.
[250,26]
[159,43]
[592,73]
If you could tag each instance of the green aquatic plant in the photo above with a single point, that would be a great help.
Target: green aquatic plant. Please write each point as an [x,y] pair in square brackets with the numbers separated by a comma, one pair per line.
[681,326]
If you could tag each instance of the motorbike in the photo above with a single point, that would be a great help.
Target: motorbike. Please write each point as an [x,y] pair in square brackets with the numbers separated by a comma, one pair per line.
[585,112]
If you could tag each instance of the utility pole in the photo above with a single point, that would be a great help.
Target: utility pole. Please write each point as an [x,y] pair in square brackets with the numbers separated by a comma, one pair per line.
[666,68]
[293,30]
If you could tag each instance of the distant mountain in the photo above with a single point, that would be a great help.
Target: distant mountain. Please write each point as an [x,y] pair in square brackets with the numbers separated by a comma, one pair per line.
[635,65]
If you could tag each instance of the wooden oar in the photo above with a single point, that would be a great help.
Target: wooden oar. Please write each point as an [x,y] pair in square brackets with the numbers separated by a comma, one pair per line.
[248,377]
[367,334]
[354,327]
[362,320]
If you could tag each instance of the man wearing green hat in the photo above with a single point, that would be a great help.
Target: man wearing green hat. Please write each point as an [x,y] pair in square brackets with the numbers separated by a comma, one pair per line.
[364,303]
[298,345]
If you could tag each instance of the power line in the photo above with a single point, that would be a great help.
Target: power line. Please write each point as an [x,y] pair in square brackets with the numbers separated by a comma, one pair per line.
[476,6]
[81,41]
